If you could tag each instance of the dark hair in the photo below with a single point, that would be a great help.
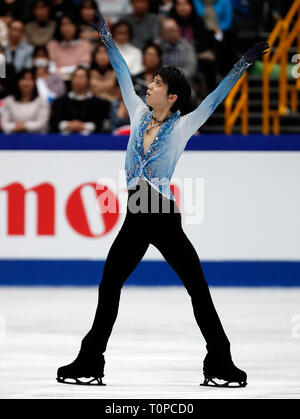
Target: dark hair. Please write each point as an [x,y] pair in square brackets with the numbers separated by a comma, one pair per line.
[74,21]
[46,3]
[121,23]
[16,90]
[94,65]
[40,48]
[151,44]
[191,20]
[92,4]
[81,67]
[177,84]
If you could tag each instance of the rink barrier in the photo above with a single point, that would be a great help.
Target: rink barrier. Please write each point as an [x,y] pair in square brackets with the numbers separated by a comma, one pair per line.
[149,273]
[211,142]
[17,272]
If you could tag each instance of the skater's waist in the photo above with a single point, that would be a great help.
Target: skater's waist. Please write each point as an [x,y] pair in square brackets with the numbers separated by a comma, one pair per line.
[144,199]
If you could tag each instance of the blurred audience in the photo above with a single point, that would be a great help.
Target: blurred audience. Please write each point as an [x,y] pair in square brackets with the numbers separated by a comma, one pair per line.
[217,14]
[62,8]
[218,17]
[193,30]
[103,79]
[3,32]
[12,10]
[3,90]
[79,111]
[152,60]
[176,50]
[41,28]
[164,8]
[53,55]
[68,51]
[145,25]
[49,85]
[114,10]
[25,110]
[122,34]
[88,11]
[17,52]
[119,116]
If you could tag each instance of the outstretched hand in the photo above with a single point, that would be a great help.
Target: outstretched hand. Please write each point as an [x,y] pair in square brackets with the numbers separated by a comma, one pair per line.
[256,51]
[100,21]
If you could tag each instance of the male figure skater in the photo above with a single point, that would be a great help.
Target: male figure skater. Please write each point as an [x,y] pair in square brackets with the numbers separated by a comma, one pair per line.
[157,139]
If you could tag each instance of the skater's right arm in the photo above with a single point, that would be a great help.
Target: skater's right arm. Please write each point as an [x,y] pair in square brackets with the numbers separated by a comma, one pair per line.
[132,101]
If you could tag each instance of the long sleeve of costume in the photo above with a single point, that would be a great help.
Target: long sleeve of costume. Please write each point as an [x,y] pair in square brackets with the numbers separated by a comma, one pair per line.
[133,102]
[191,122]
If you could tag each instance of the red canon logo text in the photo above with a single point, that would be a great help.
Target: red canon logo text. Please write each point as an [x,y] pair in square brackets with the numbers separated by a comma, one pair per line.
[75,210]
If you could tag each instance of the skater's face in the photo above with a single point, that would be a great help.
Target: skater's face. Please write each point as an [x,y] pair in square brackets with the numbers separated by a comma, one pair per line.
[157,95]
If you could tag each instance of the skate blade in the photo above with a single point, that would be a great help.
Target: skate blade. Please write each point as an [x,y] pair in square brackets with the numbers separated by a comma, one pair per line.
[211,382]
[91,381]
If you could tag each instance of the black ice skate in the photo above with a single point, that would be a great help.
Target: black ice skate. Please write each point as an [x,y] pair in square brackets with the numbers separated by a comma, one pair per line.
[220,372]
[83,371]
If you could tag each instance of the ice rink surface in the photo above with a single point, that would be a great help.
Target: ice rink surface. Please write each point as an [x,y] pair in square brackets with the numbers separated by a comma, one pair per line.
[156,349]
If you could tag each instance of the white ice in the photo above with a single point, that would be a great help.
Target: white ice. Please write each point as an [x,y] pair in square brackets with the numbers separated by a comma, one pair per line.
[156,349]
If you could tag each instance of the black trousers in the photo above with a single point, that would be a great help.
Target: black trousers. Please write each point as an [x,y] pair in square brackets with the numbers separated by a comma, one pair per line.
[164,231]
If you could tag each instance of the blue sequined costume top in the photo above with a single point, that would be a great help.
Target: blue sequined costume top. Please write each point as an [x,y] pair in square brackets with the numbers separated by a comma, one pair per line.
[159,162]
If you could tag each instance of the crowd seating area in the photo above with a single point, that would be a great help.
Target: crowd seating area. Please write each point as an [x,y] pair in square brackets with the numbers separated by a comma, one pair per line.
[58,75]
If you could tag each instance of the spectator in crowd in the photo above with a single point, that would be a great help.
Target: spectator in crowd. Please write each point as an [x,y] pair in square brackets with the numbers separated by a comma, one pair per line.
[103,79]
[119,115]
[152,60]
[79,111]
[49,85]
[218,17]
[122,34]
[177,51]
[145,25]
[17,52]
[3,90]
[193,30]
[68,51]
[115,10]
[12,10]
[161,7]
[61,8]
[25,111]
[41,29]
[191,26]
[88,10]
[104,85]
[3,32]
[217,14]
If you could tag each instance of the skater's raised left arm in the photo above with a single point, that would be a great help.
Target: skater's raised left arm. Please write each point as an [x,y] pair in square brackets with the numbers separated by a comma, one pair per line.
[194,120]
